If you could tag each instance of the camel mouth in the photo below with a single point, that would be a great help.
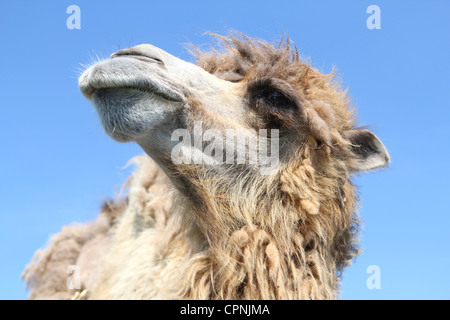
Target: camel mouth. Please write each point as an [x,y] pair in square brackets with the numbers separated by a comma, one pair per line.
[144,87]
[131,96]
[137,85]
[125,73]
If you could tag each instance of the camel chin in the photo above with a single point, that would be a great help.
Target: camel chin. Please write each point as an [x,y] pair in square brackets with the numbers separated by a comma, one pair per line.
[129,114]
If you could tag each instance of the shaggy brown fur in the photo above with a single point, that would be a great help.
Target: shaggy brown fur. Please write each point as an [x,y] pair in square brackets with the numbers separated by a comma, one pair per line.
[232,234]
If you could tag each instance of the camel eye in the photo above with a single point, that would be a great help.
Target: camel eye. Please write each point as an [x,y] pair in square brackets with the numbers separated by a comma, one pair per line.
[272,95]
[278,100]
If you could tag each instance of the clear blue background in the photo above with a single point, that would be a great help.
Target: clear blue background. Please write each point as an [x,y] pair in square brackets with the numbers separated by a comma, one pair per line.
[57,164]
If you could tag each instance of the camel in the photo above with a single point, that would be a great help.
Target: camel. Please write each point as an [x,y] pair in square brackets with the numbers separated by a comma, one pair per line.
[218,229]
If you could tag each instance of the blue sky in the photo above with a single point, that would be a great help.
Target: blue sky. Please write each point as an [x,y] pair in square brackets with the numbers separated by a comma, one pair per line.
[57,164]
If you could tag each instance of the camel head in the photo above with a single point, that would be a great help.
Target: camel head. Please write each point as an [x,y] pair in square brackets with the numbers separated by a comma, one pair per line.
[183,115]
[144,94]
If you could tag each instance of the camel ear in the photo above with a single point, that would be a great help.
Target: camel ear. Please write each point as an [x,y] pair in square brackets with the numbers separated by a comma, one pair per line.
[368,152]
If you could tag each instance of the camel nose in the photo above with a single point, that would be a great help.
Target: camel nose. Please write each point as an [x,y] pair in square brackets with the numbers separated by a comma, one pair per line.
[144,52]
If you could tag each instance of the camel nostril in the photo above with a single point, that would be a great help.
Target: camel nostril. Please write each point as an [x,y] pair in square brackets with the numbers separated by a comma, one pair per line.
[139,54]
